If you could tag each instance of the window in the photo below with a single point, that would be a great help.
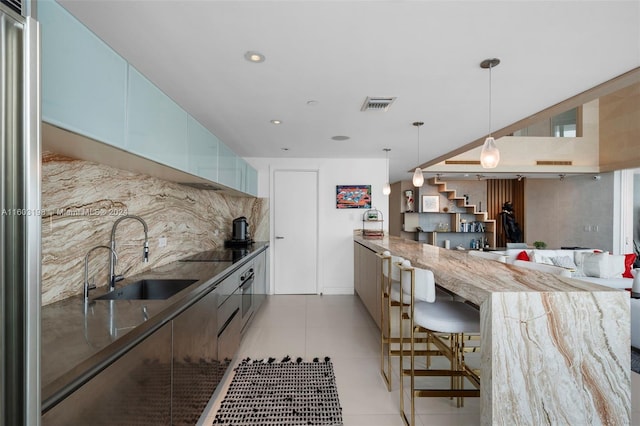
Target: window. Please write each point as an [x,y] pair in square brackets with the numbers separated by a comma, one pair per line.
[564,125]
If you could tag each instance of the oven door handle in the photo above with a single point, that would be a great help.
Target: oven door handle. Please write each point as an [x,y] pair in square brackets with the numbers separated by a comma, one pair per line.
[246,283]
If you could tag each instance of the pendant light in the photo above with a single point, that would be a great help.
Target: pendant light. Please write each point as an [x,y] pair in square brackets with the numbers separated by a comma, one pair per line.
[490,155]
[418,178]
[386,188]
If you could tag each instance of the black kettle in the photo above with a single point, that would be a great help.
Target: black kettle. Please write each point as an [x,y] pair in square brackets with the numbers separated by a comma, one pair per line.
[240,229]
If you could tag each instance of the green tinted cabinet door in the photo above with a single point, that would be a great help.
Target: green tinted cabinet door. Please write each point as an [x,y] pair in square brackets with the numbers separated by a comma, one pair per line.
[83,80]
[156,125]
[227,166]
[252,181]
[241,174]
[203,151]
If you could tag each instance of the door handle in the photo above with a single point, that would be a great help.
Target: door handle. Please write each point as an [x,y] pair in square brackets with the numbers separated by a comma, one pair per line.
[279,238]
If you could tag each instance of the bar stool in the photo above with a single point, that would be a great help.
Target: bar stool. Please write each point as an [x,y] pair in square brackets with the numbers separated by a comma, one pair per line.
[390,297]
[391,294]
[436,317]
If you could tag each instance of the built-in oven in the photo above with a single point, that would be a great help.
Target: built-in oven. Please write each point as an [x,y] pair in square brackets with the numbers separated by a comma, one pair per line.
[246,290]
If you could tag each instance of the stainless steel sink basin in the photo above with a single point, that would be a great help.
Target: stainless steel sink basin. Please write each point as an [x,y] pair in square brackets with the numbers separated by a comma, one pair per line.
[147,289]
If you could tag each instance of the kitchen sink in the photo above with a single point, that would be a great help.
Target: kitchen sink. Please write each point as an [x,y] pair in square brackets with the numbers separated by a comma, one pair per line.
[147,289]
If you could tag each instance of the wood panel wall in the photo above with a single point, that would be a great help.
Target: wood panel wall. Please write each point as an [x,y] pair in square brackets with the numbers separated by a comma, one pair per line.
[500,191]
[620,129]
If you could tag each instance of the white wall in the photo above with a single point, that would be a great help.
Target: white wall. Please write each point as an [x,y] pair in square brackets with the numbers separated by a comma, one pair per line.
[335,264]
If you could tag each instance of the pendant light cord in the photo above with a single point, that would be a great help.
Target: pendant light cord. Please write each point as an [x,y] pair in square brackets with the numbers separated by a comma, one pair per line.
[387,150]
[490,66]
[418,124]
[418,144]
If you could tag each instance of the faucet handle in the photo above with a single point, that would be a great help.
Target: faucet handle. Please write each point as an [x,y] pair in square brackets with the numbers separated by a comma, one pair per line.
[92,284]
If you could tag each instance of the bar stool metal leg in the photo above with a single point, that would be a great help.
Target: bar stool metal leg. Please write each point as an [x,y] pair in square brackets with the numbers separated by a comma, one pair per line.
[445,324]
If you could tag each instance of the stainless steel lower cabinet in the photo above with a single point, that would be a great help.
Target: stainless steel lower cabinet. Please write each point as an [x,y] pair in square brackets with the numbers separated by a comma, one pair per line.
[261,280]
[167,379]
[229,327]
[134,390]
[196,370]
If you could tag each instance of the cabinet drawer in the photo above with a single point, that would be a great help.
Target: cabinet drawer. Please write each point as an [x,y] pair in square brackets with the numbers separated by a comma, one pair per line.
[227,309]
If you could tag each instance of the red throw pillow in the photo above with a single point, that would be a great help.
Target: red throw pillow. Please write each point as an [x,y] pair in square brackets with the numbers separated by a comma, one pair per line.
[628,264]
[523,256]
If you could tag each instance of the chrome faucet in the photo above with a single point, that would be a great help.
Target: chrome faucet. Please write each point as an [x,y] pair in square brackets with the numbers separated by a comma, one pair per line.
[113,278]
[92,286]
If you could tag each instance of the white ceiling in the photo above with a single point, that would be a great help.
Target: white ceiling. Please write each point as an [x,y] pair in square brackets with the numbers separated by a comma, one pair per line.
[426,53]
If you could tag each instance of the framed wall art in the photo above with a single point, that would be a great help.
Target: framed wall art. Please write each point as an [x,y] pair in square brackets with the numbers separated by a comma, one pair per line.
[430,203]
[353,196]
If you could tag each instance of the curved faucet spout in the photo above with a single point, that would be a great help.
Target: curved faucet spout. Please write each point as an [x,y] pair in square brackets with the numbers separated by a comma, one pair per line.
[145,253]
[88,286]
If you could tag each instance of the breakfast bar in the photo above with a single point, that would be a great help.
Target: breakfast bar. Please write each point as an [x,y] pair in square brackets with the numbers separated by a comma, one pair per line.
[554,350]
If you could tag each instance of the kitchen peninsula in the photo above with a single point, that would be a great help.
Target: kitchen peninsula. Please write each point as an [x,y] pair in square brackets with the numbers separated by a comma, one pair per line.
[554,350]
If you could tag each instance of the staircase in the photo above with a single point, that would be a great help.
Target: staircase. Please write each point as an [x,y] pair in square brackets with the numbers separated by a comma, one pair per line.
[461,202]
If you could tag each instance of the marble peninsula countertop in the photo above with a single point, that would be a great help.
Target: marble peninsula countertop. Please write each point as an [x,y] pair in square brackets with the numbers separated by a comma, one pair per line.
[79,340]
[472,277]
[555,350]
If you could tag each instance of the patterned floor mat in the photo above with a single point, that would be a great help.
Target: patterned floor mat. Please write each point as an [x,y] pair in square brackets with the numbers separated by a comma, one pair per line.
[291,392]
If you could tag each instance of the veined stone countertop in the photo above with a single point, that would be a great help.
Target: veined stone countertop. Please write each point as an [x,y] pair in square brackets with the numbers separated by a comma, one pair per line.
[554,350]
[79,339]
[472,277]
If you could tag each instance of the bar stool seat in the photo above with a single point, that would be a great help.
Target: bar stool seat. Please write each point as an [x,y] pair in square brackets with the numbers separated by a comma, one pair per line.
[447,317]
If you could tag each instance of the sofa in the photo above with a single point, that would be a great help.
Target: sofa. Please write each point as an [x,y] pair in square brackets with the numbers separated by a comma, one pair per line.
[589,265]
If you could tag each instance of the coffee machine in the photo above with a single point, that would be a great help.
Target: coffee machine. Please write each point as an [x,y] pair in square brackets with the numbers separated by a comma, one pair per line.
[240,237]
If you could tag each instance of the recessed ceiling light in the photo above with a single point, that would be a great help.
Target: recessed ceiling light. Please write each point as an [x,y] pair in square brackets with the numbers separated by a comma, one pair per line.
[254,57]
[276,122]
[340,138]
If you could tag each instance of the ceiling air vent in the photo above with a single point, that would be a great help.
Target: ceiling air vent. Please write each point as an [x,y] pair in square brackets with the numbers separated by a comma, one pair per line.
[13,4]
[377,103]
[553,163]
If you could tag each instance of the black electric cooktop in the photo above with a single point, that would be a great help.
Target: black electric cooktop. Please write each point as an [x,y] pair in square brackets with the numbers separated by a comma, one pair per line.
[223,255]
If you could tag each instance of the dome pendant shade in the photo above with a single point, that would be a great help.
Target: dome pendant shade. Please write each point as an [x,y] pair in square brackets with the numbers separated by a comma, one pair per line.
[490,155]
[418,178]
[386,189]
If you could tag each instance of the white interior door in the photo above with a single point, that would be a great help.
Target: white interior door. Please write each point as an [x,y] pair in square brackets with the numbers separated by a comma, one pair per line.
[295,254]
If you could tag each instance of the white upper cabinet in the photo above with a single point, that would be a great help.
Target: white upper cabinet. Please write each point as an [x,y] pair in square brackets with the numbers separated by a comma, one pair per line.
[156,125]
[83,80]
[203,151]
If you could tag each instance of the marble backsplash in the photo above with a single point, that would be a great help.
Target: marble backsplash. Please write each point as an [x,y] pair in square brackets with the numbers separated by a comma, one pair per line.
[81,200]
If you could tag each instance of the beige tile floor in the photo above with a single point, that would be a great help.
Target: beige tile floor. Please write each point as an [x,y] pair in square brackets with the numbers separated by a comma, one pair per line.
[340,327]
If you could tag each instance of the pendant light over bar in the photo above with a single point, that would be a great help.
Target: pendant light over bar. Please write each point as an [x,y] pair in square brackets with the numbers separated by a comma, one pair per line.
[490,155]
[418,178]
[386,188]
